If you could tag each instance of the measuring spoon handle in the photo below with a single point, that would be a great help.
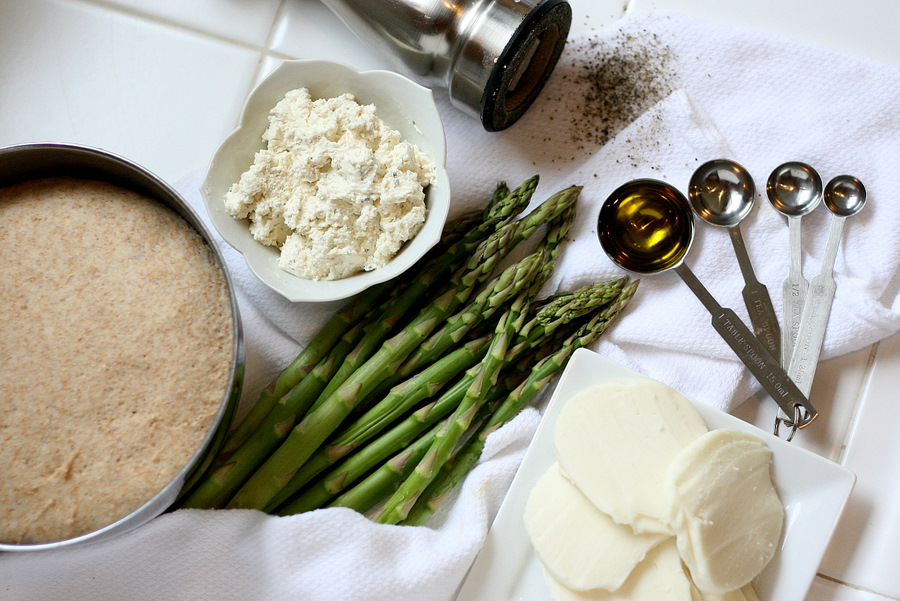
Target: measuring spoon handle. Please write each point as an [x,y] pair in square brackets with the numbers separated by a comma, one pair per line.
[816,310]
[793,297]
[762,317]
[756,298]
[811,335]
[765,368]
[793,291]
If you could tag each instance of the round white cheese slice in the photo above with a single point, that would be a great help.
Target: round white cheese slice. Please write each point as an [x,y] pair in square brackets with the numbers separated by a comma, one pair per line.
[725,511]
[659,576]
[615,442]
[580,545]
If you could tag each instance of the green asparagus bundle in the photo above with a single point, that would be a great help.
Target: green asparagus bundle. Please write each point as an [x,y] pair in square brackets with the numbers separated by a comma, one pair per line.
[383,305]
[391,401]
[344,473]
[446,439]
[329,412]
[453,472]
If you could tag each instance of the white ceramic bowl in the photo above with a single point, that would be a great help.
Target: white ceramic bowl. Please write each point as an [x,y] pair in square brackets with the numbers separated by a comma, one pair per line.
[399,102]
[813,490]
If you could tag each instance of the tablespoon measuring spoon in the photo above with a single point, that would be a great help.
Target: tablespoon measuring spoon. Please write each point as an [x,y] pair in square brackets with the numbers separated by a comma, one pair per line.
[794,189]
[646,227]
[722,193]
[844,196]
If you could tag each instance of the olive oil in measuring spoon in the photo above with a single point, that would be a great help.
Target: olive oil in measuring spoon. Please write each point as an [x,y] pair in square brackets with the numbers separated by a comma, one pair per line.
[646,228]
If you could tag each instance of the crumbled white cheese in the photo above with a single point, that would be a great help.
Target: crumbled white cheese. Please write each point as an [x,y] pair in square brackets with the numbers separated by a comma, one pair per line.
[335,188]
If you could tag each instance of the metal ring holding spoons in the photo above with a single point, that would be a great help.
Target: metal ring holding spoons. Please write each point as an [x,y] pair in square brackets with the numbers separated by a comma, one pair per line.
[646,227]
[722,193]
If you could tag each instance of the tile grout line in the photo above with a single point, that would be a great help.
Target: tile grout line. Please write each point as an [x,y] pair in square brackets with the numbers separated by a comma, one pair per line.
[857,588]
[267,45]
[858,401]
[149,18]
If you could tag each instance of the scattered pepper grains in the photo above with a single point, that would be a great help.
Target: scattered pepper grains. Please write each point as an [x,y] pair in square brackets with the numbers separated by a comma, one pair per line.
[606,84]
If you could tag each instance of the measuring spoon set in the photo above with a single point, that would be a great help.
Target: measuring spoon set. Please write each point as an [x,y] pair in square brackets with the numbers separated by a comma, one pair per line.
[646,227]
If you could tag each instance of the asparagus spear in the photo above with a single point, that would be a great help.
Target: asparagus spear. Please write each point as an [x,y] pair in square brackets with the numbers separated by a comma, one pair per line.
[501,191]
[495,295]
[565,307]
[461,323]
[398,402]
[218,485]
[396,508]
[320,422]
[542,373]
[383,481]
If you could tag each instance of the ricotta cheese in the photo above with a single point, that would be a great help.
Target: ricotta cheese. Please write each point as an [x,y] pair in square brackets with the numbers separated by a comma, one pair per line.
[335,188]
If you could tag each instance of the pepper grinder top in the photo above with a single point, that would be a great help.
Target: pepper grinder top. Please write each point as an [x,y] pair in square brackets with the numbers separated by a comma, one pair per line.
[493,56]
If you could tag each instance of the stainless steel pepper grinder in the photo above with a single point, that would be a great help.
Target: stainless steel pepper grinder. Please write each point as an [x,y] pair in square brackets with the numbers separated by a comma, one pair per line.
[493,56]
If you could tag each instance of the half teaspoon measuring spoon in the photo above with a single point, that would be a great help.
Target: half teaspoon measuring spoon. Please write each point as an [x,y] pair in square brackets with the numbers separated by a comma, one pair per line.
[844,196]
[646,227]
[794,189]
[722,193]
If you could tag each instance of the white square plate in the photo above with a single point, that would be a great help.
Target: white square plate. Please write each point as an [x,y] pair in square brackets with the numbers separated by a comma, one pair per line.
[813,490]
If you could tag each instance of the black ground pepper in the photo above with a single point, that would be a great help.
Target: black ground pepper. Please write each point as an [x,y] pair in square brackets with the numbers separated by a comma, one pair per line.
[605,84]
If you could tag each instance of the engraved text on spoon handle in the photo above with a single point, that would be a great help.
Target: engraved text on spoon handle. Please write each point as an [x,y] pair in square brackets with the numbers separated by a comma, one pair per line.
[794,297]
[804,359]
[763,318]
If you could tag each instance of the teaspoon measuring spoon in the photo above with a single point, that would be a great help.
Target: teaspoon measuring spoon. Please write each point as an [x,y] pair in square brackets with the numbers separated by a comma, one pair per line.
[722,193]
[646,227]
[794,189]
[844,196]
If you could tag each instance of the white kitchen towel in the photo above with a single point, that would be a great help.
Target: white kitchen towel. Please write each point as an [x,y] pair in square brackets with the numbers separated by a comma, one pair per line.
[655,95]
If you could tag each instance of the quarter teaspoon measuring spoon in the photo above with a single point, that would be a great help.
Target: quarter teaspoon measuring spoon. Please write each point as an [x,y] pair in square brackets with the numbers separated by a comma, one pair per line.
[722,193]
[794,189]
[845,196]
[646,227]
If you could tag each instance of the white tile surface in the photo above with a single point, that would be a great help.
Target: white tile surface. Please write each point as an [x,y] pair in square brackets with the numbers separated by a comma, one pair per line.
[827,590]
[247,22]
[308,29]
[866,548]
[74,72]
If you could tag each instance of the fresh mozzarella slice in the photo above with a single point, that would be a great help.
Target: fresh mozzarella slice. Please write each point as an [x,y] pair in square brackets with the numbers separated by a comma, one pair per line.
[659,576]
[724,509]
[615,442]
[580,545]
